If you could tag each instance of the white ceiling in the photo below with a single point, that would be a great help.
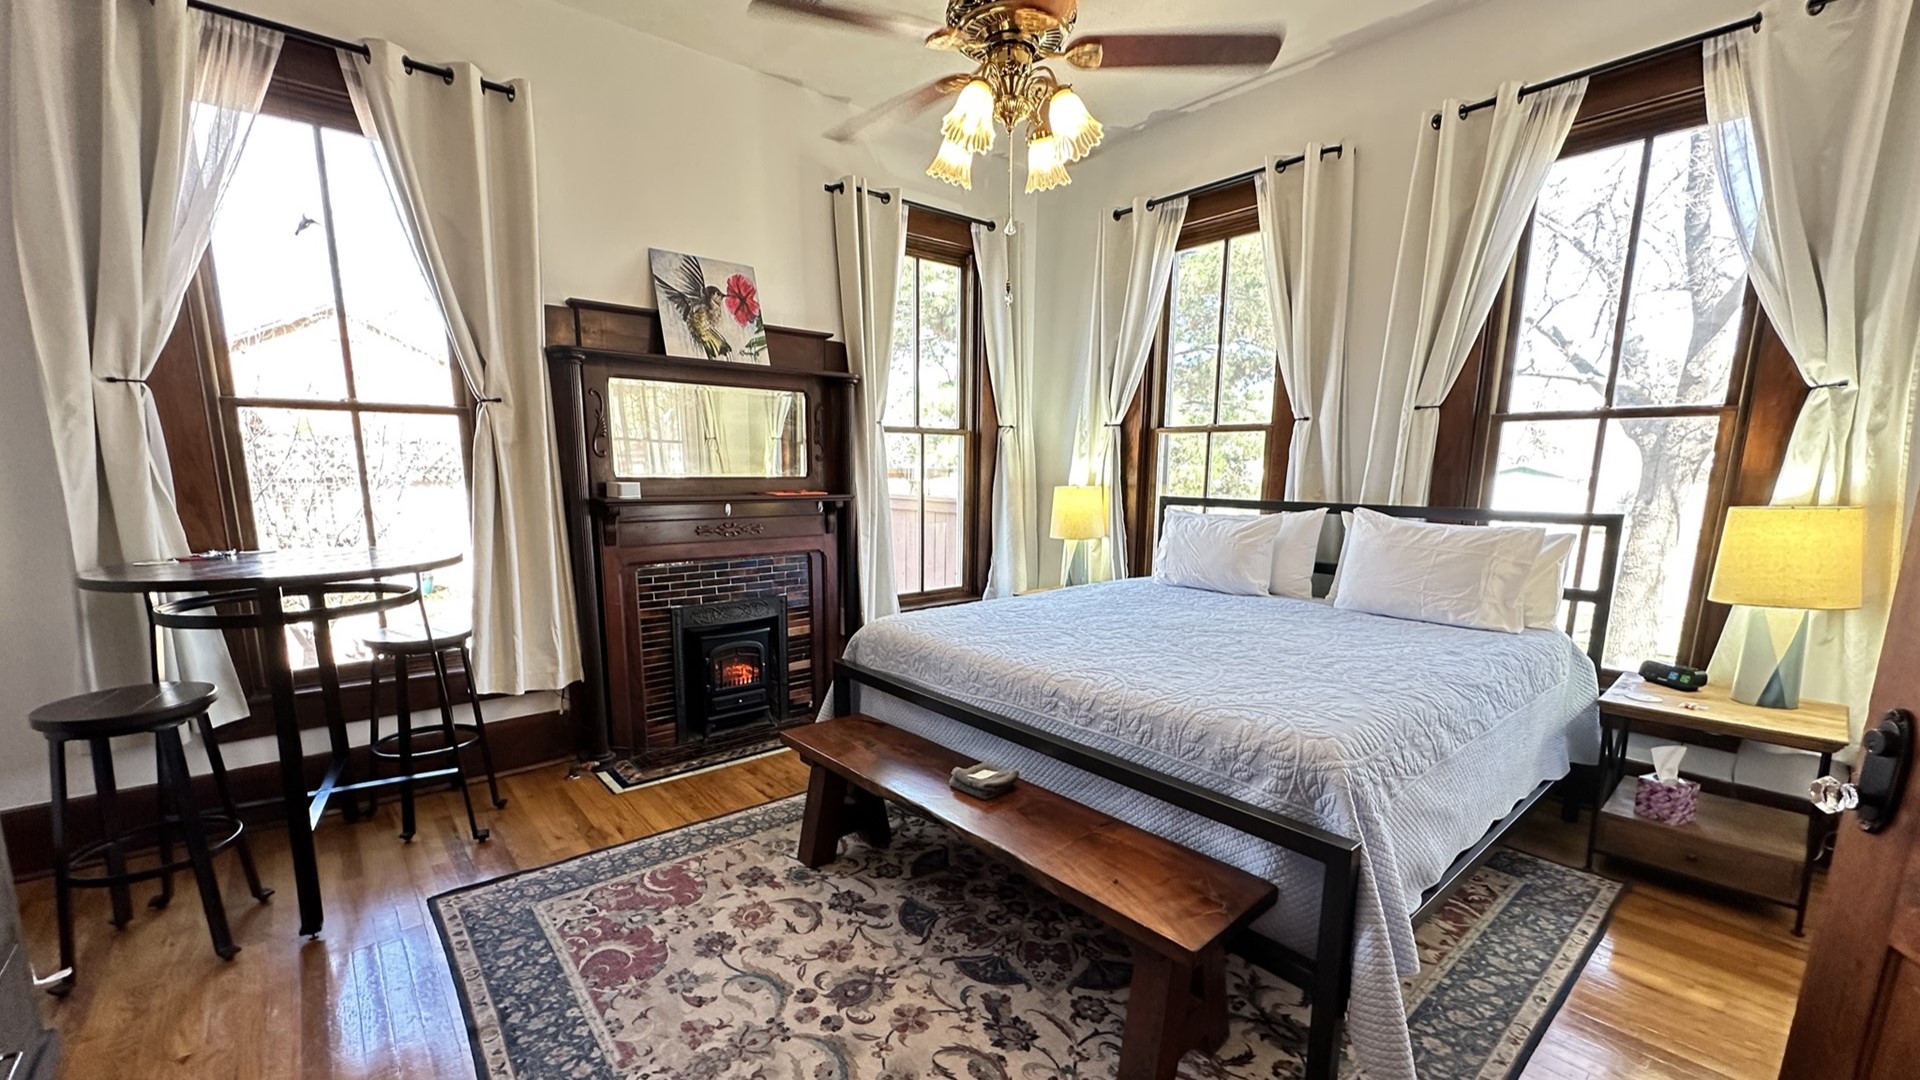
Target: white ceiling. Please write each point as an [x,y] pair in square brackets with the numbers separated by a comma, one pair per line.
[866,70]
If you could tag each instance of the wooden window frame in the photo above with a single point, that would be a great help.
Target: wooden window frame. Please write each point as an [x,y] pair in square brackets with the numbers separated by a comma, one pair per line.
[1222,215]
[193,394]
[1764,389]
[939,238]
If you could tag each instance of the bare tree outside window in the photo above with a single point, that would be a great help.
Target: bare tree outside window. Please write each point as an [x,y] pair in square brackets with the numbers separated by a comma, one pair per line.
[1620,393]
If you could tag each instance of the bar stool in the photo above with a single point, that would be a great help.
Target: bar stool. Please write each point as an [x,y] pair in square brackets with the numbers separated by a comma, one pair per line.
[402,646]
[97,718]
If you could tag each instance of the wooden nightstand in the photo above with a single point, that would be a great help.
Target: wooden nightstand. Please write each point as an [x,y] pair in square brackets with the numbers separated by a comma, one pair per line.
[1759,850]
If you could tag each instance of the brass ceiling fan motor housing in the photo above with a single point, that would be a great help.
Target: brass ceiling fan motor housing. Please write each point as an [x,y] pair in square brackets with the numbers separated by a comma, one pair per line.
[976,27]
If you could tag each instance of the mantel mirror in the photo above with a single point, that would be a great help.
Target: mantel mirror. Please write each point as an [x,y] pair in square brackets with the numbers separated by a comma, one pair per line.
[676,430]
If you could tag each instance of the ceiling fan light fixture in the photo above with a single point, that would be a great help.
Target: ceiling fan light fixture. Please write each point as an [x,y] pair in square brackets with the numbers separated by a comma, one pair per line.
[953,165]
[970,124]
[1046,162]
[1073,125]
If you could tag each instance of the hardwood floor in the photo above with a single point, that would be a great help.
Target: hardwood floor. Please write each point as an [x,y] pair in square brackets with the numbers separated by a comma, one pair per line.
[1683,988]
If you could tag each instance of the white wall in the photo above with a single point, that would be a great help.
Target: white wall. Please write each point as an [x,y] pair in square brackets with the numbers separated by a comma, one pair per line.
[642,144]
[1371,99]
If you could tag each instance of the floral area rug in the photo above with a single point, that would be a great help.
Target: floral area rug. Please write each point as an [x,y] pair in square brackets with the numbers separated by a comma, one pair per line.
[710,952]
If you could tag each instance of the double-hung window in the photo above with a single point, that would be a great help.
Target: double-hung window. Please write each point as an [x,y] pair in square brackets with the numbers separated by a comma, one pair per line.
[340,413]
[932,424]
[1626,363]
[1218,373]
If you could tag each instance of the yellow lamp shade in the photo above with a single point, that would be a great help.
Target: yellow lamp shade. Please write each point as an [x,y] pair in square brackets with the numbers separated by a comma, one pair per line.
[1079,513]
[1808,557]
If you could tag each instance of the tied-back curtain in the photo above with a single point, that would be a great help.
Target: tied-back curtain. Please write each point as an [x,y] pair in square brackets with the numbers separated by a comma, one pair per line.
[1015,543]
[461,164]
[128,120]
[1474,184]
[871,238]
[1126,314]
[1817,136]
[1306,230]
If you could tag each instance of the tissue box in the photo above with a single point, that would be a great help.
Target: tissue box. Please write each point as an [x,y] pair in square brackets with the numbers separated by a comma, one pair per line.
[1672,803]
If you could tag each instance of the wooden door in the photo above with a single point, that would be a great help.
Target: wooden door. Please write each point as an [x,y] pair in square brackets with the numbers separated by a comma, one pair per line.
[1859,1014]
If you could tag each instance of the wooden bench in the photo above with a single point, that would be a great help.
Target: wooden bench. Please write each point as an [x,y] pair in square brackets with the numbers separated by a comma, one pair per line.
[1175,907]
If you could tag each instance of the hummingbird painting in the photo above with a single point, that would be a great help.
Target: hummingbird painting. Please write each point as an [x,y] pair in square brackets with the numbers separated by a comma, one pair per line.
[700,306]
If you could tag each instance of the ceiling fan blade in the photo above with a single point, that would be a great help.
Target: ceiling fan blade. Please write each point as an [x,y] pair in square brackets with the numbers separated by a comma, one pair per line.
[916,100]
[1103,51]
[876,22]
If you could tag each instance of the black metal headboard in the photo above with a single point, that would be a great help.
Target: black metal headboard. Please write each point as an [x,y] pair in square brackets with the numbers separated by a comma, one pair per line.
[1611,527]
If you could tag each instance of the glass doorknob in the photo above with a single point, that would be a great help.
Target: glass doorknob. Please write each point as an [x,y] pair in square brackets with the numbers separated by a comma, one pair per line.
[1833,795]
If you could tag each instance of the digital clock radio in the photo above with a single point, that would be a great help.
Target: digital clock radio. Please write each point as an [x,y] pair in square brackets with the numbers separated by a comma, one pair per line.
[1677,676]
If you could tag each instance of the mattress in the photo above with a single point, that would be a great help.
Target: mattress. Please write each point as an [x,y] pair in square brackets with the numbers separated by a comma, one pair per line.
[1412,738]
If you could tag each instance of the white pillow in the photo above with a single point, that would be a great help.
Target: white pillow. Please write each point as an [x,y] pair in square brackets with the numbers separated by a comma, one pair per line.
[1460,575]
[1546,582]
[1217,552]
[1296,545]
[1340,557]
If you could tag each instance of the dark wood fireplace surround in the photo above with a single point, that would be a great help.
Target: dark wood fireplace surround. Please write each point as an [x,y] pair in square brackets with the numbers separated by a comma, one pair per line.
[695,542]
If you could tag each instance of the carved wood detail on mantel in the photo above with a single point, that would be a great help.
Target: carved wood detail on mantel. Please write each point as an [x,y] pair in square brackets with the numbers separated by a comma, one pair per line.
[730,529]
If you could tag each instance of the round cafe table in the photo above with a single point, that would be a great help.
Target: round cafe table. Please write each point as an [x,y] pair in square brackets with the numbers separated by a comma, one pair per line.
[264,580]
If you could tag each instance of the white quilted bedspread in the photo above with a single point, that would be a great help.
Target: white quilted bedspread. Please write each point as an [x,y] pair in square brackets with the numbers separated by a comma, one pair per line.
[1412,738]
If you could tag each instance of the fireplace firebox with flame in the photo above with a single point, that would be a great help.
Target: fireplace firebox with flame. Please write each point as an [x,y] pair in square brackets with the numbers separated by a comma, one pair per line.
[730,669]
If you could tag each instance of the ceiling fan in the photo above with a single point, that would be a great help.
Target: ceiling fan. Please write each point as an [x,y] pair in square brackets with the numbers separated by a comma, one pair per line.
[1009,42]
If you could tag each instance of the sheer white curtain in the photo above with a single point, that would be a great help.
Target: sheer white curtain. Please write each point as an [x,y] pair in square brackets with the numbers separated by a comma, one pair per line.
[1133,265]
[1306,229]
[1015,544]
[461,162]
[128,122]
[1817,133]
[871,237]
[1474,184]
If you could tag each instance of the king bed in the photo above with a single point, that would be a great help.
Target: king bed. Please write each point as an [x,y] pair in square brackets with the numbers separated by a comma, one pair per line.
[1355,760]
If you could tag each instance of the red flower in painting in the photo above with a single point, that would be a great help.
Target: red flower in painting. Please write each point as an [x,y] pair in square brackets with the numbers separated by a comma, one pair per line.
[743,300]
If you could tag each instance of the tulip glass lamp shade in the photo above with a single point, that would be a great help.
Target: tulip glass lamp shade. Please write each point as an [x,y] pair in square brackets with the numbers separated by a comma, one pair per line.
[1079,513]
[1785,562]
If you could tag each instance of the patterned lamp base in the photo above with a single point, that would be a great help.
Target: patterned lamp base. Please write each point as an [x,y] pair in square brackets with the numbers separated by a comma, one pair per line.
[1767,675]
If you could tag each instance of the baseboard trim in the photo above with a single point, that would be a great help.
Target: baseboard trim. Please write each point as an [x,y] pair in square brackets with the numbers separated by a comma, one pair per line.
[518,743]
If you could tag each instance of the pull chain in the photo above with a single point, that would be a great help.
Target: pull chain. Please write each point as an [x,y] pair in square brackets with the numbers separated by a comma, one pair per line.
[1012,226]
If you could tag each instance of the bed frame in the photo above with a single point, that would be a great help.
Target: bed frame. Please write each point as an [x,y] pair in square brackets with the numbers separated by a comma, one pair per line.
[1326,976]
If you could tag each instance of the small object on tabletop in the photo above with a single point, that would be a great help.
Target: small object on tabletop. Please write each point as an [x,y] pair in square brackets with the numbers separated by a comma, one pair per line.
[983,781]
[1662,795]
[1676,676]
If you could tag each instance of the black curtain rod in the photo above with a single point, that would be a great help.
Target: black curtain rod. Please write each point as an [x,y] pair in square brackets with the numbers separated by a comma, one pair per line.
[446,76]
[1238,178]
[887,197]
[1751,22]
[326,42]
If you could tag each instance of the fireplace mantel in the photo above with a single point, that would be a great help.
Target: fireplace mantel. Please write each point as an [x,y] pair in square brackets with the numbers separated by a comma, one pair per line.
[690,541]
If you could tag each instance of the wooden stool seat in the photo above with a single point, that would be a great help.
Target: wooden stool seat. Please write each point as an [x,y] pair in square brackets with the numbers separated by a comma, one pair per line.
[1175,906]
[97,718]
[413,641]
[122,710]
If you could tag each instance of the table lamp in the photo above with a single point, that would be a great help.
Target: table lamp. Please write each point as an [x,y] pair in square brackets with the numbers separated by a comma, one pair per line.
[1785,562]
[1079,513]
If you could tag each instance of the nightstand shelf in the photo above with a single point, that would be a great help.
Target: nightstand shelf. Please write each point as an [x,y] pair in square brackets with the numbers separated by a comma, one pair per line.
[1746,847]
[1741,846]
